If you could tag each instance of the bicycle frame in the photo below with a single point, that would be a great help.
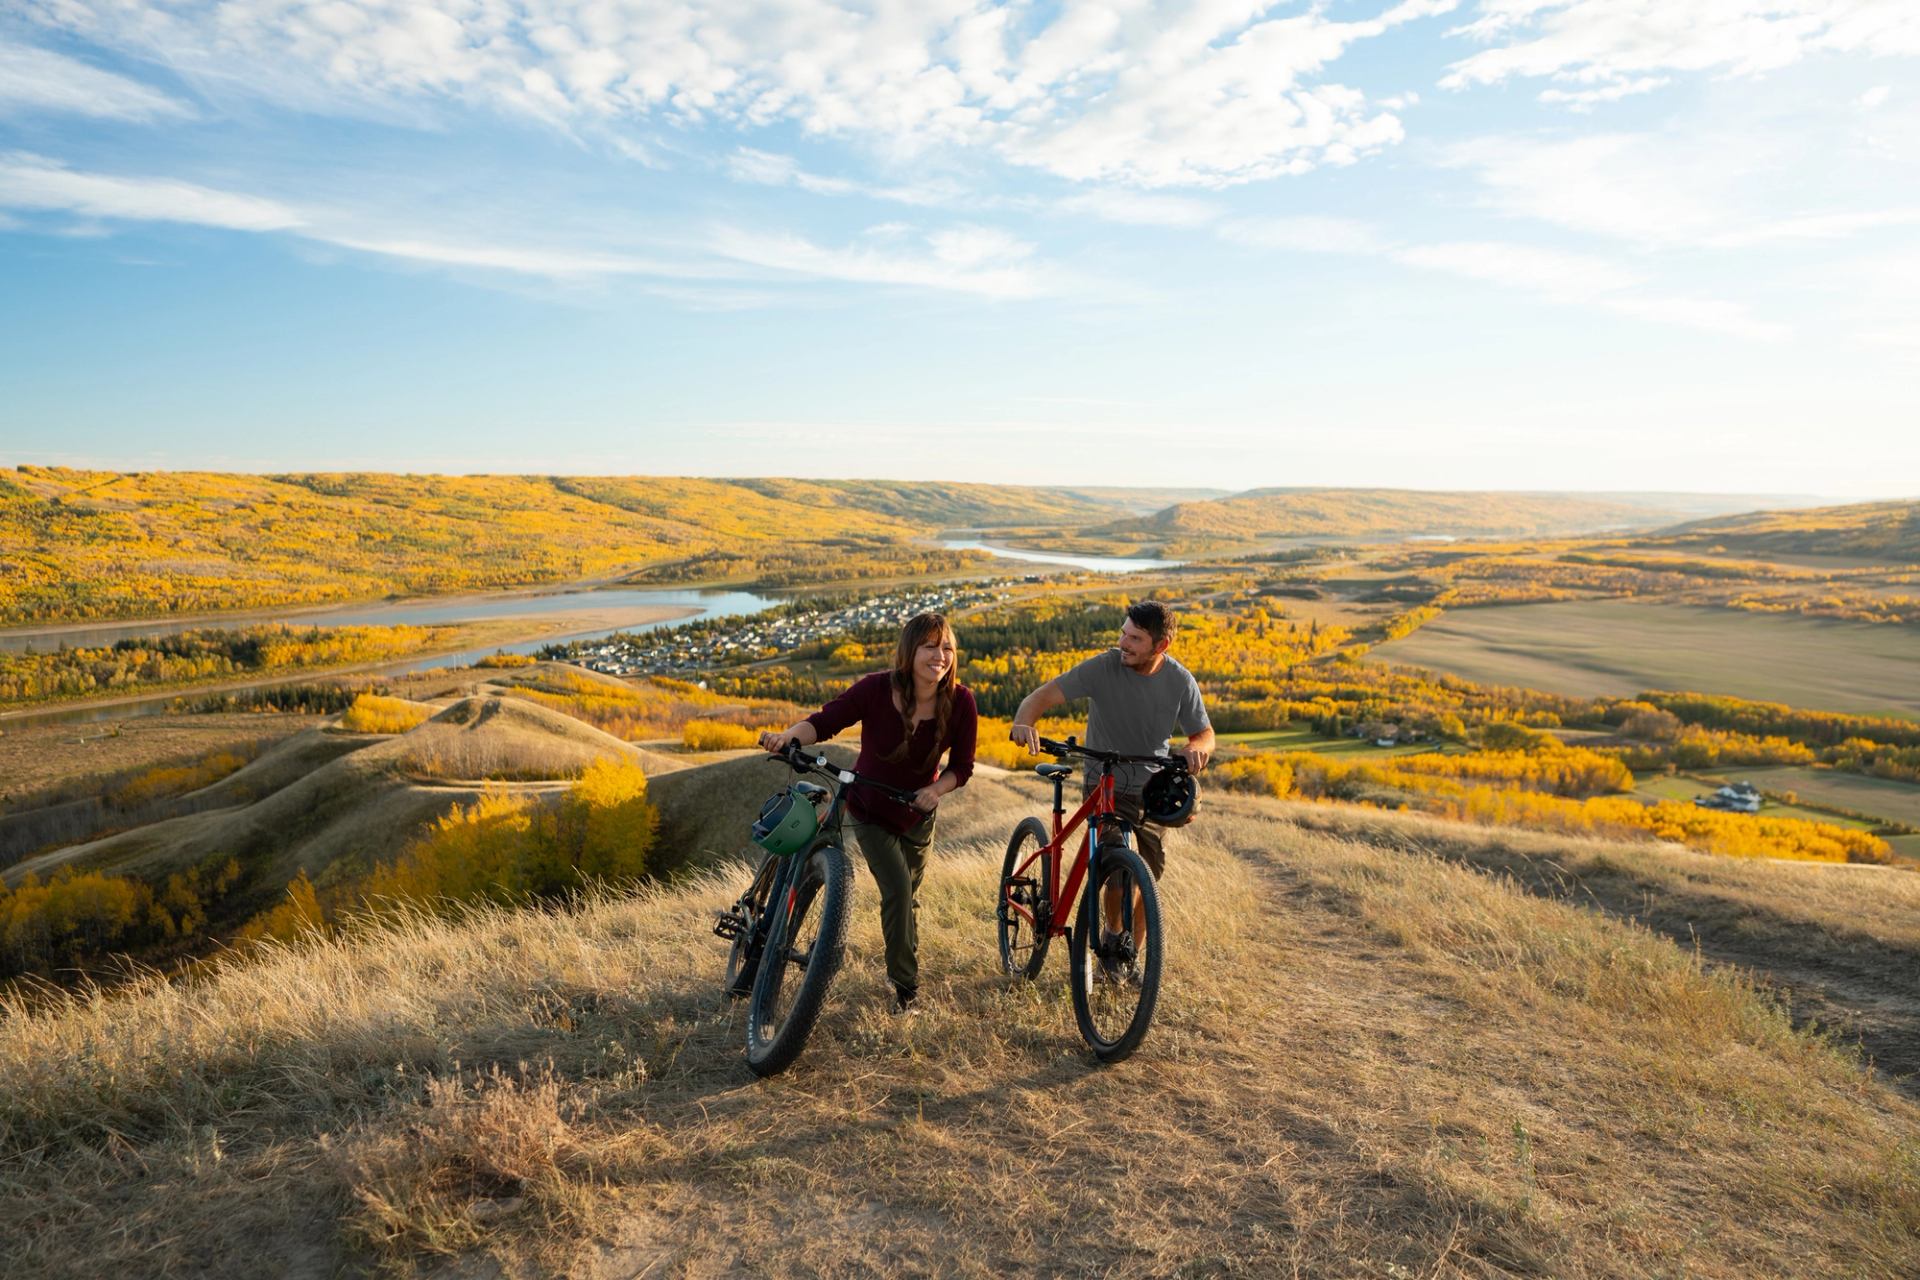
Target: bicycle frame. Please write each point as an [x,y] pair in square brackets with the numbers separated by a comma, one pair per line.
[785,873]
[1063,896]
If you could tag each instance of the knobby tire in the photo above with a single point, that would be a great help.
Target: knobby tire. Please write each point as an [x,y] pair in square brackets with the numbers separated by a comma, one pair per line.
[788,995]
[1023,943]
[1114,1010]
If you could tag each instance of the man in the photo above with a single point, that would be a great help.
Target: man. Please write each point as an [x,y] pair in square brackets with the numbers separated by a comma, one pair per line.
[1140,695]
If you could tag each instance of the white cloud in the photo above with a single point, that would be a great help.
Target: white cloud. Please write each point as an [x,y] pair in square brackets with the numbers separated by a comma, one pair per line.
[1712,314]
[1564,277]
[1139,208]
[1875,96]
[1305,234]
[32,182]
[1605,45]
[1206,93]
[1569,278]
[971,260]
[1708,189]
[33,79]
[1587,99]
[547,263]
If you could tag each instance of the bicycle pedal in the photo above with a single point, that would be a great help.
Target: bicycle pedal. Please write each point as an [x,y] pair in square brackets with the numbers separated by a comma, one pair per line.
[729,926]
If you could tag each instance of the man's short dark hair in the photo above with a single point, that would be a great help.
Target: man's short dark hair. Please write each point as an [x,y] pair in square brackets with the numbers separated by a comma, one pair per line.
[1153,618]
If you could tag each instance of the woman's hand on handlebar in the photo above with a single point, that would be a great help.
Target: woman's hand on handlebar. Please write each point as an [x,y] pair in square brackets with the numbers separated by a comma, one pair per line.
[926,799]
[777,740]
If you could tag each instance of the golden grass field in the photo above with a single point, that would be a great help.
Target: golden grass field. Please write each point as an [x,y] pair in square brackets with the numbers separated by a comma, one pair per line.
[1386,1047]
[1618,648]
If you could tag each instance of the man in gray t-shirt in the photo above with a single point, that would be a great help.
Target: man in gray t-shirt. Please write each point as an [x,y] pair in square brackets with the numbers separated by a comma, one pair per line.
[1139,696]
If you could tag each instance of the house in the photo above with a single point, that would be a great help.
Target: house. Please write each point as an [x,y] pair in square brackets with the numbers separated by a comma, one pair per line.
[1735,797]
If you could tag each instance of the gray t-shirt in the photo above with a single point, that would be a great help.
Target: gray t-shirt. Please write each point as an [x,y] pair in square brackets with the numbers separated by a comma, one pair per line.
[1133,714]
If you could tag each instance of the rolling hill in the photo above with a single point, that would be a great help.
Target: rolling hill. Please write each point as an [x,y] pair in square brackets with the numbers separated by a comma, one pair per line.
[81,545]
[1387,1045]
[1268,515]
[1887,532]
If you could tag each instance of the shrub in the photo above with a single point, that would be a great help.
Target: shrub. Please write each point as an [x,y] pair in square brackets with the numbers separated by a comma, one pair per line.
[506,848]
[717,735]
[371,713]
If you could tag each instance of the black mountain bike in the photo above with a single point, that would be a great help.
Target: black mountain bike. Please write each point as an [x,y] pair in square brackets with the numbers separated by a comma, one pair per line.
[789,929]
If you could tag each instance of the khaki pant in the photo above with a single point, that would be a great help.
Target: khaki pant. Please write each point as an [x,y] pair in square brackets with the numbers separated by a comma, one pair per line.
[898,862]
[1146,835]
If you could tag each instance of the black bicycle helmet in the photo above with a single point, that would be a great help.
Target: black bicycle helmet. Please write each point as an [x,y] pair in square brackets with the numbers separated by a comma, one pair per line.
[1169,798]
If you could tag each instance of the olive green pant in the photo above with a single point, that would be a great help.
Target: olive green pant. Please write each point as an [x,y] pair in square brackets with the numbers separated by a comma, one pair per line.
[897,862]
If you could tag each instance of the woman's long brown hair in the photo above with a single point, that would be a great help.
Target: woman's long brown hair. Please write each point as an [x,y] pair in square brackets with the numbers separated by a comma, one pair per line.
[918,630]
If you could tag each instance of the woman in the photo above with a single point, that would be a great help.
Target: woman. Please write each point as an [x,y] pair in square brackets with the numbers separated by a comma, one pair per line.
[907,717]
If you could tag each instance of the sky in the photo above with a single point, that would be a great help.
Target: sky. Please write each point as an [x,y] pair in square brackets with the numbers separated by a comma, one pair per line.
[1511,244]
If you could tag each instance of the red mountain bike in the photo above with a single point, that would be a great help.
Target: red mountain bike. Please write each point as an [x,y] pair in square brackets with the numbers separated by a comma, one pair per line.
[1114,946]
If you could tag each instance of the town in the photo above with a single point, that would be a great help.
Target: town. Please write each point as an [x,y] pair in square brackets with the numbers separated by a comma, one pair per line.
[709,643]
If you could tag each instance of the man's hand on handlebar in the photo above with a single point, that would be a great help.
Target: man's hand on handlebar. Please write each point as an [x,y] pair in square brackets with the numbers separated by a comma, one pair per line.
[1197,757]
[1027,736]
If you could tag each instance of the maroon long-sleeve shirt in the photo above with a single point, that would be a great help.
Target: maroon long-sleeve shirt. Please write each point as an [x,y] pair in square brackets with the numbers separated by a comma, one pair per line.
[870,704]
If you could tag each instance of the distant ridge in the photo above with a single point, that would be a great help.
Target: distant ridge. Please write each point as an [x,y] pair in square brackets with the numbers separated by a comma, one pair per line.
[1264,515]
[1886,531]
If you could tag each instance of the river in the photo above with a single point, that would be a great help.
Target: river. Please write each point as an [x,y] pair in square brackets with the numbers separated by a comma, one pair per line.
[1098,564]
[600,611]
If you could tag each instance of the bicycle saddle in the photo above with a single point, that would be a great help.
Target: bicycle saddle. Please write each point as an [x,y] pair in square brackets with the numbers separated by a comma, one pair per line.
[1052,771]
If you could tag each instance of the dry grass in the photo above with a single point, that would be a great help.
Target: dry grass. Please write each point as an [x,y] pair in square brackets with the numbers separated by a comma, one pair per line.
[1370,1061]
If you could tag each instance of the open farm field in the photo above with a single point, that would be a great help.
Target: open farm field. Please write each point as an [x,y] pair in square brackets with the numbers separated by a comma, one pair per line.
[1684,787]
[1302,738]
[1616,648]
[1882,797]
[35,757]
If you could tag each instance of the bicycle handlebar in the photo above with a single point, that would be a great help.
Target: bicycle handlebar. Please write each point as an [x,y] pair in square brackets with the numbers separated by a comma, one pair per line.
[1071,748]
[795,757]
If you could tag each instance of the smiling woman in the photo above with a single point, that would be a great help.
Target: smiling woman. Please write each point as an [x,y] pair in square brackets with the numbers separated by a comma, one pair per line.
[909,717]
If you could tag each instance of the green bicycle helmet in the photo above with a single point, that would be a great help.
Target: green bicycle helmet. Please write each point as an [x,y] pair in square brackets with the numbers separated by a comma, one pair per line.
[788,823]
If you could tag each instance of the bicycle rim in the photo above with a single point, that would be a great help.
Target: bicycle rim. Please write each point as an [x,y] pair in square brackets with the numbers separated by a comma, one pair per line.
[1116,954]
[803,951]
[1024,910]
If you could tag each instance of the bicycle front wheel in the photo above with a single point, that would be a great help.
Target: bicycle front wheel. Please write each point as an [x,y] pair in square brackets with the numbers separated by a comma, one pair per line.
[1116,953]
[803,952]
[1024,911]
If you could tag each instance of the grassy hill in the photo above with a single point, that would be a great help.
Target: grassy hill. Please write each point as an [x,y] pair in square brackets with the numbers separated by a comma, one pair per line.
[1880,531]
[1265,515]
[1386,1046]
[78,545]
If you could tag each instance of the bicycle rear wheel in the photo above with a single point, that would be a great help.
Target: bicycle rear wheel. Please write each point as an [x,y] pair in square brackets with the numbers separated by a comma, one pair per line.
[1116,976]
[803,952]
[1024,909]
[748,919]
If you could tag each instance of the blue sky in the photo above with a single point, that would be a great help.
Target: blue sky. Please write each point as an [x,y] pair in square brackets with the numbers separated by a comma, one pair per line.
[1614,244]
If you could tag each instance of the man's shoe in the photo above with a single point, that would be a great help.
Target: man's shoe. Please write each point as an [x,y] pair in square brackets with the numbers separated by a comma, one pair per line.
[906,1000]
